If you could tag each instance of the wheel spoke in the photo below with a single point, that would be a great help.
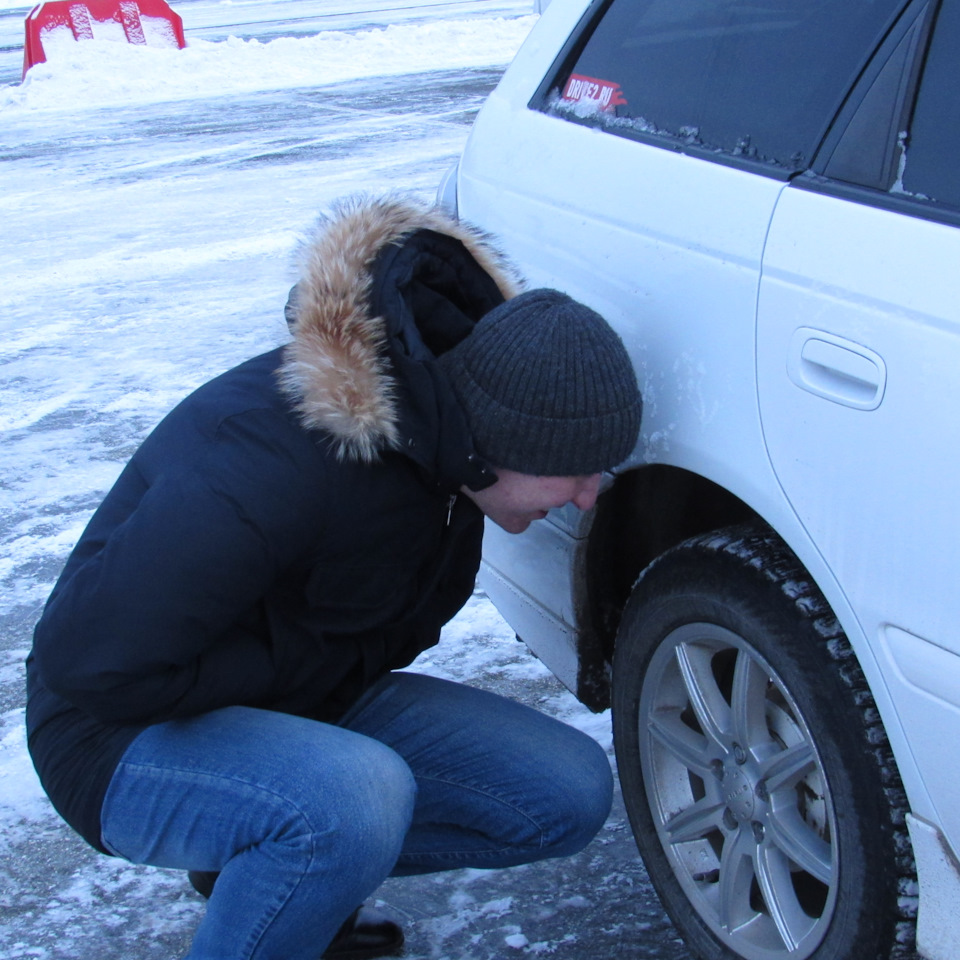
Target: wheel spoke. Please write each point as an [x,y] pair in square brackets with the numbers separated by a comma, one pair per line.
[748,699]
[776,886]
[696,821]
[800,843]
[736,873]
[706,699]
[686,745]
[786,768]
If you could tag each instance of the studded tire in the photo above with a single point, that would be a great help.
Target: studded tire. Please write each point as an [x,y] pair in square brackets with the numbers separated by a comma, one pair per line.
[759,783]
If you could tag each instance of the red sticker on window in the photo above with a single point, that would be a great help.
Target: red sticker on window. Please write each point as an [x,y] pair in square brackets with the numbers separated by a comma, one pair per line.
[605,94]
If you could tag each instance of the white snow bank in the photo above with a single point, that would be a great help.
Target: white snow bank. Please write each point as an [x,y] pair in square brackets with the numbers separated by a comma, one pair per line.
[103,72]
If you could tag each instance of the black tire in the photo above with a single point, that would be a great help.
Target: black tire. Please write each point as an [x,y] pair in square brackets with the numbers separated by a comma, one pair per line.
[761,789]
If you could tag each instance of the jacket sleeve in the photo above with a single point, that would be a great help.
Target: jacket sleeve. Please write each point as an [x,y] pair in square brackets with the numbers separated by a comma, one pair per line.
[145,629]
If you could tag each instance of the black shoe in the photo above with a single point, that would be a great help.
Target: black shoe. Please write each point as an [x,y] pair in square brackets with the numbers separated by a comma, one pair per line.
[202,881]
[366,933]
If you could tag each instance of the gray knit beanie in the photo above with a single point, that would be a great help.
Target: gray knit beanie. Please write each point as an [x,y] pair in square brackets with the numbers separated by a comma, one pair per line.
[547,387]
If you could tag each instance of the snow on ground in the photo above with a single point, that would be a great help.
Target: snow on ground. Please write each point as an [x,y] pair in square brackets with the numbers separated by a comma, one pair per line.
[106,72]
[151,203]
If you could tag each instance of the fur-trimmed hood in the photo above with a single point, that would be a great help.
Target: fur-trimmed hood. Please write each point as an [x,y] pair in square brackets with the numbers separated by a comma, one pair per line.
[386,284]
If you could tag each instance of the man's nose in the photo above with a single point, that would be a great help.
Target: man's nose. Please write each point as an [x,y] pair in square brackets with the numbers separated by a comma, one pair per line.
[586,494]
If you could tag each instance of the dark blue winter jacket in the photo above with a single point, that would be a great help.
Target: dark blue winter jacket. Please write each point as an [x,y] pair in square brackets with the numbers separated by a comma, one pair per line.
[290,531]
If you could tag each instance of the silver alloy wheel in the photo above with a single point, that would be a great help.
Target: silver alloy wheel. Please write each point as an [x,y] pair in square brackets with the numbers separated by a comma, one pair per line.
[738,794]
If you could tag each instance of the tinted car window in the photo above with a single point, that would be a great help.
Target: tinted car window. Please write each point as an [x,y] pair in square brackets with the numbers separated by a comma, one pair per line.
[931,167]
[756,80]
[866,145]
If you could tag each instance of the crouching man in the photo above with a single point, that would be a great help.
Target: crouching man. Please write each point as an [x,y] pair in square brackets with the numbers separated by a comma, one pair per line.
[214,684]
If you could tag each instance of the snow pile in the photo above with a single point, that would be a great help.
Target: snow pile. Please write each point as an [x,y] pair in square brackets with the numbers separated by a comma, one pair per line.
[104,72]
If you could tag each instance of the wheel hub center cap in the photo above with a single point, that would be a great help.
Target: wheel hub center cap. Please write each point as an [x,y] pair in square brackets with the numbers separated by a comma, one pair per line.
[738,794]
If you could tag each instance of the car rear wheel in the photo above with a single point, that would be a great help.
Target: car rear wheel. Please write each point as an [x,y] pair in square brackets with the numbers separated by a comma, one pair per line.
[758,781]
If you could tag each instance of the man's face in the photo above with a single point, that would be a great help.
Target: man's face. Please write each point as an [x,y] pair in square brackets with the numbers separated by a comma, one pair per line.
[517,499]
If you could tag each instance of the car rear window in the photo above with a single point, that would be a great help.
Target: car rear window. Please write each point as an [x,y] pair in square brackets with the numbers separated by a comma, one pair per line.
[759,80]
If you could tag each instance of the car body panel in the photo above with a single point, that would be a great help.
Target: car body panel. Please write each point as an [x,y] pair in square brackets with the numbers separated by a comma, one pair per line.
[875,486]
[797,348]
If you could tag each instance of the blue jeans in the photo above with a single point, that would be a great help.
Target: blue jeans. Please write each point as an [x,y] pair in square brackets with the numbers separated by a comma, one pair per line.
[305,819]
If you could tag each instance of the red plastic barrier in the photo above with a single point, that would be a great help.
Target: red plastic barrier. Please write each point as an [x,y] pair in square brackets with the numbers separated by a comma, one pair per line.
[82,17]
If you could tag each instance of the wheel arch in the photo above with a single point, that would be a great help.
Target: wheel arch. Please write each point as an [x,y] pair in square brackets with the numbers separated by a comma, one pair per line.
[644,513]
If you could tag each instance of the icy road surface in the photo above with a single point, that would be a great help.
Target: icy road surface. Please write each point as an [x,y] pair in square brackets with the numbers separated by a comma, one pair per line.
[150,204]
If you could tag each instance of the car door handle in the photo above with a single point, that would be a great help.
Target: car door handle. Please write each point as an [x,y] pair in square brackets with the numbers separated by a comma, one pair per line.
[836,369]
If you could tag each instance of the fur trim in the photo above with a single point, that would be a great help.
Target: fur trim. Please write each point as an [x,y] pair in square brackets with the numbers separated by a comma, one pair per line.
[335,369]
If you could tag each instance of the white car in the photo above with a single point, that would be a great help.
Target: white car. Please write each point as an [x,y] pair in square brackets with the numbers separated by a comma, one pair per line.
[764,200]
